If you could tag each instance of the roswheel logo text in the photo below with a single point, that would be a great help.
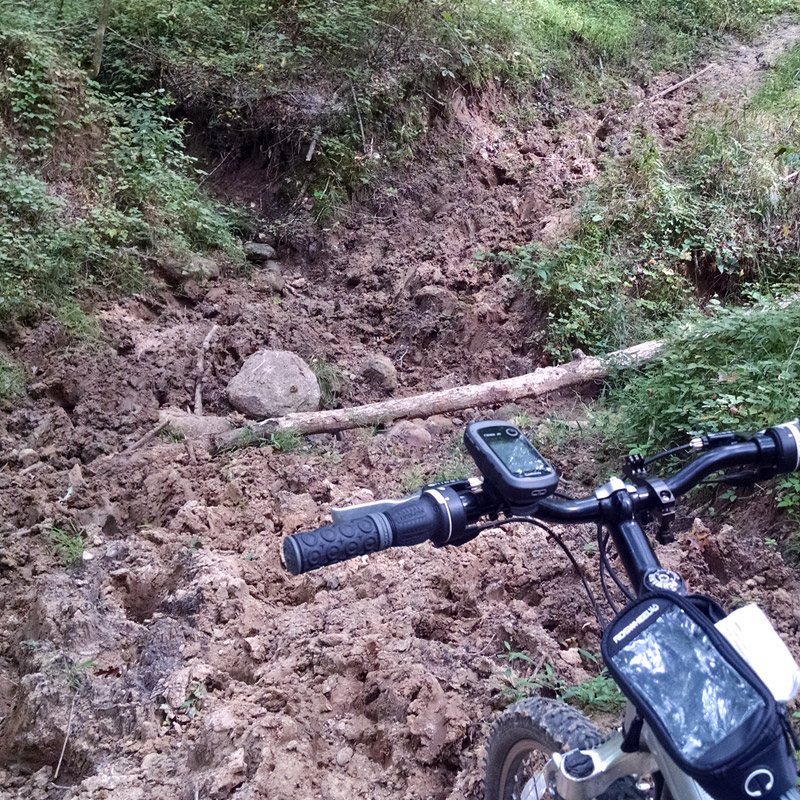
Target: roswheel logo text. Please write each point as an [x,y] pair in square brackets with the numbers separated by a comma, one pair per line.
[759,782]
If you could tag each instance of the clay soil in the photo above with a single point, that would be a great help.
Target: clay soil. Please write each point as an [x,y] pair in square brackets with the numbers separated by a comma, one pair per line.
[179,659]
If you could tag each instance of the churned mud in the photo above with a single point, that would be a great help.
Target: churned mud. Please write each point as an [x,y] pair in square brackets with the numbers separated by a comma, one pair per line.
[178,659]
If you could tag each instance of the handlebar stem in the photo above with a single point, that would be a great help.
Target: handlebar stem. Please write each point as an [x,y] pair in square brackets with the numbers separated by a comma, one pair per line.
[632,544]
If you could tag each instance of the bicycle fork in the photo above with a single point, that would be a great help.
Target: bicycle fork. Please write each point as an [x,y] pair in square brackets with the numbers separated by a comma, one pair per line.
[585,774]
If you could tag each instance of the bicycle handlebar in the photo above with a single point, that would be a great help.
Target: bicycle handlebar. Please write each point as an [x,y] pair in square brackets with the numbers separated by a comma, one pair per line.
[442,513]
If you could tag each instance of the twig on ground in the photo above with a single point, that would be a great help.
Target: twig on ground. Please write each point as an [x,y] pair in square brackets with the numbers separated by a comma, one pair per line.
[198,387]
[360,121]
[66,738]
[146,438]
[676,86]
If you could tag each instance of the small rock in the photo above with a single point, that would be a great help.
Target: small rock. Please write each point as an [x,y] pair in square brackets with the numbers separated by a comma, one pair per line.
[437,300]
[198,429]
[438,424]
[258,252]
[507,412]
[380,371]
[216,295]
[296,511]
[193,290]
[196,268]
[344,755]
[76,477]
[27,456]
[87,556]
[116,551]
[272,383]
[269,279]
[410,437]
[571,657]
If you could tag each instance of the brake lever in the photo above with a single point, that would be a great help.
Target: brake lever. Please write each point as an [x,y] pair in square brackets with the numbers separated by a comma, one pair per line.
[350,513]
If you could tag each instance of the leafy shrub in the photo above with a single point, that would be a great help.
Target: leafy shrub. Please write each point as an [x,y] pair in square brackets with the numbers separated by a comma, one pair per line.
[126,188]
[737,369]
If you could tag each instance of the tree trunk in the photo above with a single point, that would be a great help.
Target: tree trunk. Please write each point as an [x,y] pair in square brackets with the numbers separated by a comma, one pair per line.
[534,384]
[100,38]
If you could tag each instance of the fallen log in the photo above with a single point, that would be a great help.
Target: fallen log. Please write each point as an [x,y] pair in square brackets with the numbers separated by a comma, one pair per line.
[533,384]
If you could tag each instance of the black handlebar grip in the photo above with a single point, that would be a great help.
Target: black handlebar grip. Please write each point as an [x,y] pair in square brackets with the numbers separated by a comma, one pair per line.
[303,552]
[418,520]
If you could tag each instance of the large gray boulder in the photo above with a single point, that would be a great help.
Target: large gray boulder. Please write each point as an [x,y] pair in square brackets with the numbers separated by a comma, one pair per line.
[272,383]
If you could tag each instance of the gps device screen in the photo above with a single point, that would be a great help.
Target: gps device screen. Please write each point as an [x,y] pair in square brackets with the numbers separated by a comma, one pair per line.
[515,451]
[509,463]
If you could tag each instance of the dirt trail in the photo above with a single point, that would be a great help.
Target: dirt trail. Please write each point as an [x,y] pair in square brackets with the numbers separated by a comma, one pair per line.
[180,660]
[741,68]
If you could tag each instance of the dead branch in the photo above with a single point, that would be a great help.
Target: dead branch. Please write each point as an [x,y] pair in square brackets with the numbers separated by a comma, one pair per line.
[201,354]
[534,384]
[676,86]
[360,121]
[66,738]
[146,438]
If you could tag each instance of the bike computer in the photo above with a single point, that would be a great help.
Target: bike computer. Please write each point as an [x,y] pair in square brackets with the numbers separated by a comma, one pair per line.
[509,463]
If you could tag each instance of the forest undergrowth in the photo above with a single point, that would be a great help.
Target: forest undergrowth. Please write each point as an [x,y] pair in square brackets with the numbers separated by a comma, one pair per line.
[101,105]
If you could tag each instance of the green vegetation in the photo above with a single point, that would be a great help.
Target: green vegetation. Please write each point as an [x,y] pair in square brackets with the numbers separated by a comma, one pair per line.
[69,544]
[738,368]
[92,183]
[599,693]
[331,380]
[171,434]
[782,86]
[717,218]
[76,673]
[12,381]
[285,440]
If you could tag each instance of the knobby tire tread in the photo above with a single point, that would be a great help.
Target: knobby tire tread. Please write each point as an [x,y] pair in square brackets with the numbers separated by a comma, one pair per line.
[550,726]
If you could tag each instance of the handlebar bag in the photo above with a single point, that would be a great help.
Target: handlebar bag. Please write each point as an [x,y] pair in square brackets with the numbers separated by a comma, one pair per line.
[709,710]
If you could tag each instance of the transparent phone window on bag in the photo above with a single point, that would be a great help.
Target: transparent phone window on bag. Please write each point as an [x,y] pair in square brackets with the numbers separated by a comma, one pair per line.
[698,696]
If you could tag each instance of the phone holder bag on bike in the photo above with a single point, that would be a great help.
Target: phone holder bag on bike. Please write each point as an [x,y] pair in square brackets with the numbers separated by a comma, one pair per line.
[709,710]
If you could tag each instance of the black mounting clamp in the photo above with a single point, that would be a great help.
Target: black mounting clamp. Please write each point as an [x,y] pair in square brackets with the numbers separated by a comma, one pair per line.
[664,512]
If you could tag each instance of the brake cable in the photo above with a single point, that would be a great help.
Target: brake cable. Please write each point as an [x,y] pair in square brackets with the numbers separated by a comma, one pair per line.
[605,565]
[560,542]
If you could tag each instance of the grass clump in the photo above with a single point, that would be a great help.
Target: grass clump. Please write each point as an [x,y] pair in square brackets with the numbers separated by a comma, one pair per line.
[12,380]
[599,694]
[69,544]
[285,440]
[781,89]
[331,380]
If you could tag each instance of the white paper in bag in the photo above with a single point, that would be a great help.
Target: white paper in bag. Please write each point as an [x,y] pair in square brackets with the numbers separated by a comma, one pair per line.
[754,638]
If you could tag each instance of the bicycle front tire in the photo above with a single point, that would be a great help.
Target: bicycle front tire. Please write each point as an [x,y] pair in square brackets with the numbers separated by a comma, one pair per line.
[524,738]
